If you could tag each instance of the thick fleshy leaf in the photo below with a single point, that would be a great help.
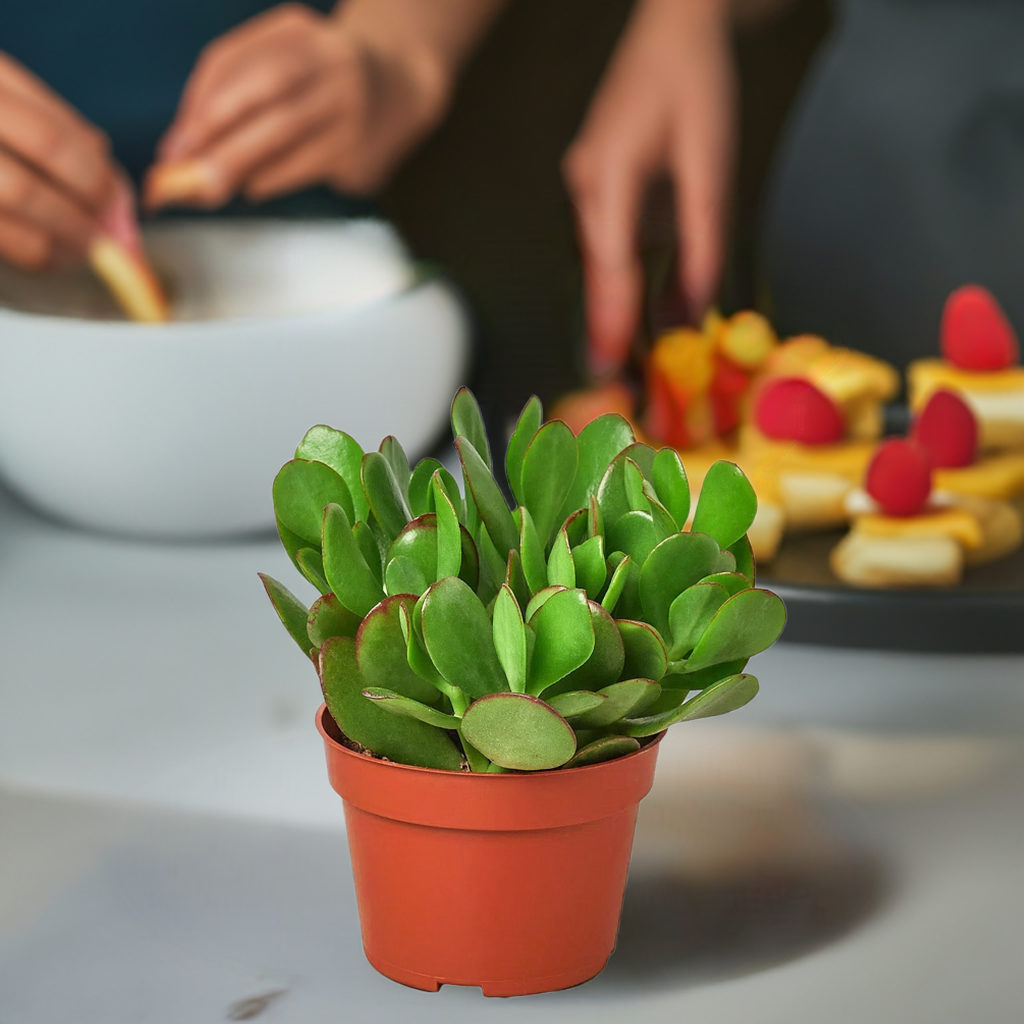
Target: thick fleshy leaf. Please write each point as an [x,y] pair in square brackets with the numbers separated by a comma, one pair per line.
[399,704]
[611,492]
[515,580]
[459,638]
[605,663]
[419,486]
[399,739]
[633,532]
[347,573]
[669,698]
[493,569]
[745,625]
[419,661]
[311,564]
[573,703]
[549,468]
[744,555]
[675,564]
[630,697]
[628,605]
[418,543]
[343,454]
[645,653]
[565,639]
[329,617]
[387,502]
[725,562]
[399,463]
[301,492]
[291,542]
[367,544]
[490,502]
[290,610]
[725,696]
[468,422]
[595,524]
[702,678]
[633,479]
[449,532]
[598,443]
[616,584]
[664,524]
[561,567]
[733,582]
[518,731]
[671,484]
[605,748]
[529,423]
[404,576]
[538,600]
[591,568]
[531,553]
[510,639]
[381,648]
[727,504]
[690,614]
[477,762]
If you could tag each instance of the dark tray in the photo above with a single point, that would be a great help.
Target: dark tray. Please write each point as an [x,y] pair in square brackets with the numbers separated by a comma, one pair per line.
[985,613]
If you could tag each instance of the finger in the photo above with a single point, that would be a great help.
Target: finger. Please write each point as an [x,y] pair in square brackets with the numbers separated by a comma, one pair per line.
[607,199]
[30,197]
[24,245]
[73,156]
[307,164]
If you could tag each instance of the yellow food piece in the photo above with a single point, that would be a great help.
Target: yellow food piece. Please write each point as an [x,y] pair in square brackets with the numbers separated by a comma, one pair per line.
[998,476]
[130,280]
[955,522]
[745,339]
[890,562]
[683,358]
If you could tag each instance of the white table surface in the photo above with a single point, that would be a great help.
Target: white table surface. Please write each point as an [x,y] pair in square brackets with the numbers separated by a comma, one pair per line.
[847,848]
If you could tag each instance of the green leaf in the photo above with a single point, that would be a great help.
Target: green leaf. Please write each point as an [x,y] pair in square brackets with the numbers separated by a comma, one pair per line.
[591,569]
[419,661]
[631,696]
[515,579]
[398,704]
[723,697]
[634,482]
[382,651]
[664,524]
[671,485]
[518,731]
[733,582]
[510,639]
[745,625]
[611,492]
[744,555]
[367,544]
[645,654]
[725,562]
[347,573]
[290,610]
[459,639]
[690,614]
[311,565]
[561,567]
[598,442]
[384,495]
[468,422]
[538,600]
[529,423]
[575,703]
[291,542]
[565,639]
[419,486]
[605,663]
[702,678]
[301,492]
[449,533]
[399,463]
[329,617]
[595,525]
[399,739]
[531,553]
[616,584]
[549,467]
[404,576]
[669,698]
[675,564]
[727,504]
[490,502]
[634,533]
[605,748]
[343,454]
[492,569]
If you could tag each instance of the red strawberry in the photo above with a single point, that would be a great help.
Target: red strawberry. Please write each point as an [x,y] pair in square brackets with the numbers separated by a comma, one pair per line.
[947,430]
[899,477]
[975,335]
[793,409]
[728,387]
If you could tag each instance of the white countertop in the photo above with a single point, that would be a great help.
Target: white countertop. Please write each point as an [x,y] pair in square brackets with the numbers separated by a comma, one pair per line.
[847,848]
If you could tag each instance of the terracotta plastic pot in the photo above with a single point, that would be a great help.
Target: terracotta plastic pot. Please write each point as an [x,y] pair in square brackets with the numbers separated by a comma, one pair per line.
[510,882]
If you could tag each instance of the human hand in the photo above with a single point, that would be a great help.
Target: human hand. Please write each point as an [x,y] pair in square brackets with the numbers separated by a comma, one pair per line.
[294,98]
[56,175]
[666,105]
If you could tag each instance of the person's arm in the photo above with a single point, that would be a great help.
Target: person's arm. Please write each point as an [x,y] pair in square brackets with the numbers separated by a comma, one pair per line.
[666,106]
[294,98]
[56,175]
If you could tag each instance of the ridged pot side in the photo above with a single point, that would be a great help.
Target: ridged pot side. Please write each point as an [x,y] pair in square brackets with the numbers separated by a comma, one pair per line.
[511,882]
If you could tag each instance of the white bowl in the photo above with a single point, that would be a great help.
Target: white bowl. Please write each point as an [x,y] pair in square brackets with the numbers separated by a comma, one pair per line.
[177,430]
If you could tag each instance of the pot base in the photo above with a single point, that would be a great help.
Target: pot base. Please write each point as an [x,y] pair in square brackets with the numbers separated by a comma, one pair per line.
[519,987]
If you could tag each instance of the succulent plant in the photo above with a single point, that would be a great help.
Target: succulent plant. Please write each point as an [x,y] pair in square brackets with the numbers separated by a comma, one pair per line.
[452,632]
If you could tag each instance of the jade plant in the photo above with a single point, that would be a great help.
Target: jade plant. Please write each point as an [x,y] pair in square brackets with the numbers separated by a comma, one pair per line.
[454,632]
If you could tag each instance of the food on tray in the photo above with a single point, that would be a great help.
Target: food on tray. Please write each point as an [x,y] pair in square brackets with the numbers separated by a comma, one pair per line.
[980,362]
[118,259]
